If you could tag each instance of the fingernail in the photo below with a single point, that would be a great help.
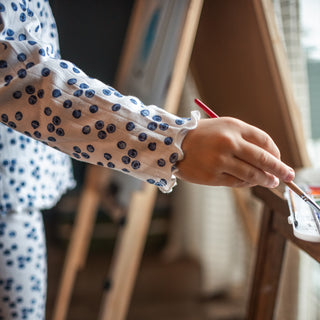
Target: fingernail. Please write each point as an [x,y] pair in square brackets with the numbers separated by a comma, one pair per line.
[274,183]
[290,176]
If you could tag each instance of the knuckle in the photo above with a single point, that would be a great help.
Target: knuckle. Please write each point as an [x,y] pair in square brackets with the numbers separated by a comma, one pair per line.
[252,175]
[234,123]
[227,143]
[219,161]
[240,184]
[266,140]
[274,167]
[268,144]
[263,158]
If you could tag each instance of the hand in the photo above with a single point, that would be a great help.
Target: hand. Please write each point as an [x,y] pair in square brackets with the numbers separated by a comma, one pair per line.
[226,151]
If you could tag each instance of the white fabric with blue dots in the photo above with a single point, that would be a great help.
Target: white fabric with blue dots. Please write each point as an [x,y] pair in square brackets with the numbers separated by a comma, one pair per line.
[23,265]
[53,101]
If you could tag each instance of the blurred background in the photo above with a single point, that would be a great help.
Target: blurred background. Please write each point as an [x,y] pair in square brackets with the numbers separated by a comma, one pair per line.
[197,262]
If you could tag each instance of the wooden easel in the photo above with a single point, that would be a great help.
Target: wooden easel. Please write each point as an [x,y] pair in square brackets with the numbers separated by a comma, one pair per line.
[132,238]
[243,72]
[240,67]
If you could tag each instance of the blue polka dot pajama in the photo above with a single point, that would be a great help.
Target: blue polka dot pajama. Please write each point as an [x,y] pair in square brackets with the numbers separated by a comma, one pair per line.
[49,105]
[23,266]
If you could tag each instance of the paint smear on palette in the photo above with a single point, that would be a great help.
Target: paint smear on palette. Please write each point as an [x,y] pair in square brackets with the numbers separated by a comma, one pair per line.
[315,193]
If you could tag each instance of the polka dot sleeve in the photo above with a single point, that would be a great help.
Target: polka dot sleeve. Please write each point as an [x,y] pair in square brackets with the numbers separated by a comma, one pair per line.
[54,101]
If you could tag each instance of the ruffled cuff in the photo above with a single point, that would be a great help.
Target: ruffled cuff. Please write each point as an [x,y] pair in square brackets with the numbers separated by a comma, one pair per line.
[181,134]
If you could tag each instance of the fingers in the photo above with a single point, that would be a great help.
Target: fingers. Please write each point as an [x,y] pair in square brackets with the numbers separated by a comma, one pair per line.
[264,161]
[250,174]
[233,182]
[260,138]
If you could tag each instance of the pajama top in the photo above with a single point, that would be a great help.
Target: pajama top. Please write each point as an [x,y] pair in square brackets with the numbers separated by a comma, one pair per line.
[51,110]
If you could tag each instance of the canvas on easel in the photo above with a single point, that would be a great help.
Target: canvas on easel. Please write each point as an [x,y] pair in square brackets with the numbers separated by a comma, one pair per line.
[153,56]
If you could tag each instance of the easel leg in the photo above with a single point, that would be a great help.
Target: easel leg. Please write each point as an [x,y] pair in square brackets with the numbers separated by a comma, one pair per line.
[267,270]
[128,254]
[246,216]
[95,181]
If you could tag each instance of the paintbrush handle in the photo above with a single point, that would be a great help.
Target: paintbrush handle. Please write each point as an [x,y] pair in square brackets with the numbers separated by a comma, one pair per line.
[206,109]
[303,195]
[296,189]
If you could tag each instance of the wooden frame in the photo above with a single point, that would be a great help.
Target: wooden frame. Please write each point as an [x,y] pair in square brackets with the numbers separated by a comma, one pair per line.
[275,232]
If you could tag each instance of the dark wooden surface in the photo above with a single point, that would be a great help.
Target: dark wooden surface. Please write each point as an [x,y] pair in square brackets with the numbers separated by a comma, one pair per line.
[274,233]
[275,201]
[267,269]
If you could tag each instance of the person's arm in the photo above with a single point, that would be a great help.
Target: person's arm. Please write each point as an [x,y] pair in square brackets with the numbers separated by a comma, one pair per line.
[51,100]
